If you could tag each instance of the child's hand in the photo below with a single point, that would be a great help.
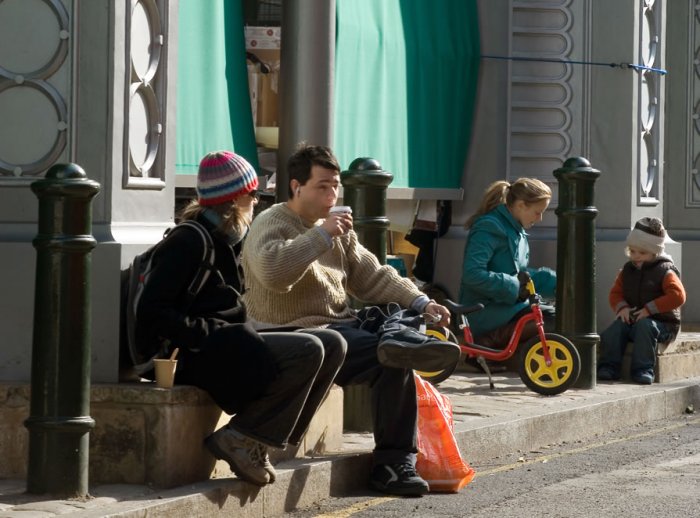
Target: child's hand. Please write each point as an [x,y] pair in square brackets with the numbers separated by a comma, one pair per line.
[640,314]
[624,315]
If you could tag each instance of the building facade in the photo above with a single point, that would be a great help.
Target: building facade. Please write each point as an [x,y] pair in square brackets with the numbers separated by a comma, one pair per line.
[93,82]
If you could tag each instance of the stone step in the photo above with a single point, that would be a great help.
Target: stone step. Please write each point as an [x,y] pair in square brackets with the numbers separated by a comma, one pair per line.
[677,360]
[491,426]
[685,342]
[152,436]
[680,359]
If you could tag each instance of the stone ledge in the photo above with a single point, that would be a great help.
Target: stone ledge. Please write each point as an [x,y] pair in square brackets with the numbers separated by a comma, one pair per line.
[672,367]
[147,435]
[685,342]
[677,360]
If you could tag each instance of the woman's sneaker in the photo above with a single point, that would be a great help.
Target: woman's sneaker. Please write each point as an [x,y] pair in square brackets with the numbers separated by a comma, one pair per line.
[246,457]
[398,479]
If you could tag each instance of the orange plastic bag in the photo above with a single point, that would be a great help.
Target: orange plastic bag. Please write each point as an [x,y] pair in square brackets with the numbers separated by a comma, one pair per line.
[439,461]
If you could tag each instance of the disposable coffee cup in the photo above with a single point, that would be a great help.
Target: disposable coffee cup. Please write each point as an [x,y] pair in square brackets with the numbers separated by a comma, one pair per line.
[165,373]
[341,209]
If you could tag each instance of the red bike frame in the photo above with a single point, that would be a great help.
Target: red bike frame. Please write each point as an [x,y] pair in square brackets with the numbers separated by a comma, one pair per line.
[473,350]
[550,363]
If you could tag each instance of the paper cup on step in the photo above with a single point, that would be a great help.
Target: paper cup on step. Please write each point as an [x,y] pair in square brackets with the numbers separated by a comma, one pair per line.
[342,209]
[165,373]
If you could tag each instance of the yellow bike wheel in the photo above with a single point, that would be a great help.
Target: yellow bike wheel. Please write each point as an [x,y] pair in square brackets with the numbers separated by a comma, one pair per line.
[551,379]
[445,335]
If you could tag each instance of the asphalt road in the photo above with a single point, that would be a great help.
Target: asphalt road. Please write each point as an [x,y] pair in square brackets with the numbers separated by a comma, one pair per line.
[651,470]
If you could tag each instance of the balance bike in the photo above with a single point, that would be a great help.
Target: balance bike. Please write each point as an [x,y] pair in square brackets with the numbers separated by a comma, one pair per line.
[548,363]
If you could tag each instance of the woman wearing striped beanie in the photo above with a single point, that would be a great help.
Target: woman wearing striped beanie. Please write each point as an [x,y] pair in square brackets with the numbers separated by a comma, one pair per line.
[224,176]
[223,181]
[272,382]
[226,194]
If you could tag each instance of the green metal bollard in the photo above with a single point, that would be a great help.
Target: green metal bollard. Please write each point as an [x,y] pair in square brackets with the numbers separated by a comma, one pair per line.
[364,189]
[59,420]
[576,313]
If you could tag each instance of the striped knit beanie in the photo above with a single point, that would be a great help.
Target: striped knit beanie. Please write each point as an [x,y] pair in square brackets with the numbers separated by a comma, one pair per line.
[224,176]
[649,235]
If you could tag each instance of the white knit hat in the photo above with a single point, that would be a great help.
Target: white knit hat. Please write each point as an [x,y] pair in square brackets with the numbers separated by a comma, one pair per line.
[649,235]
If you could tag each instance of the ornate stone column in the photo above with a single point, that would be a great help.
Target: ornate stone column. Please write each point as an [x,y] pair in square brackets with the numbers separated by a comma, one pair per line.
[90,83]
[627,130]
[682,142]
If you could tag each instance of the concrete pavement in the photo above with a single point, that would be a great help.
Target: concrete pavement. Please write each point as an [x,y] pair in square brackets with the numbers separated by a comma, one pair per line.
[488,424]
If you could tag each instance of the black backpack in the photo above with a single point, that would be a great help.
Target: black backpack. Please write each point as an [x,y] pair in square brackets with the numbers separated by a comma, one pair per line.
[134,280]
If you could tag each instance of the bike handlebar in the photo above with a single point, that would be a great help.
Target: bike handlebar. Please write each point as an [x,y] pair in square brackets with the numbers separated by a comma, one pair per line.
[459,309]
[431,319]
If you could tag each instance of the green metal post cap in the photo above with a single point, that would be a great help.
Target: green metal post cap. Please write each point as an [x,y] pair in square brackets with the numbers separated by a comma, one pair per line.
[365,164]
[67,181]
[577,164]
[365,172]
[65,172]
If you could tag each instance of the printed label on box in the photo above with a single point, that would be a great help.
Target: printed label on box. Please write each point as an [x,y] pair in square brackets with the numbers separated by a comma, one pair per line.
[263,37]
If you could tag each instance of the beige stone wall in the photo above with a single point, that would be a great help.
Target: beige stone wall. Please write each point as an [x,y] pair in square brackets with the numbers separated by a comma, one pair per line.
[146,435]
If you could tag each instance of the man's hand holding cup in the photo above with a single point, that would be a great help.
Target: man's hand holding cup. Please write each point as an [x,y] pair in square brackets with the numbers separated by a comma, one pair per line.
[339,220]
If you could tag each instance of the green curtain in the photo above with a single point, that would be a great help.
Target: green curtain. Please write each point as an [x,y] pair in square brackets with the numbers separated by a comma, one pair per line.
[213,103]
[405,87]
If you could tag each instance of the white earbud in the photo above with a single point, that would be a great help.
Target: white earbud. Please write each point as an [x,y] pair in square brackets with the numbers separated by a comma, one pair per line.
[298,190]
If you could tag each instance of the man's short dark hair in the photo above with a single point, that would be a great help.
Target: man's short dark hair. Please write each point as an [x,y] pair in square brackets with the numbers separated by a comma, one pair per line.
[304,158]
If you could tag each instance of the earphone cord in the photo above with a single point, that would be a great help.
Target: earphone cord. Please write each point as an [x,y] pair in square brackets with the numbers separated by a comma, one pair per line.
[342,266]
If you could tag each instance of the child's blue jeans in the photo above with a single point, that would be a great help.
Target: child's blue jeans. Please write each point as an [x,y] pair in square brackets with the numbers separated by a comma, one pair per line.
[644,334]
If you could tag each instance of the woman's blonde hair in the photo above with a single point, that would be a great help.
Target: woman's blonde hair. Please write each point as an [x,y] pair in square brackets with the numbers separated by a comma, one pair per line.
[529,190]
[231,217]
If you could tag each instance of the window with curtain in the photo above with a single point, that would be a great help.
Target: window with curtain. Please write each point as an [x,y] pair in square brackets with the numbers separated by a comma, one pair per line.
[213,102]
[405,86]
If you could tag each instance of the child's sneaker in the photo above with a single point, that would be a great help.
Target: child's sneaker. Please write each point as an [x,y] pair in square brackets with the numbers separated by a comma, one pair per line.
[643,377]
[606,373]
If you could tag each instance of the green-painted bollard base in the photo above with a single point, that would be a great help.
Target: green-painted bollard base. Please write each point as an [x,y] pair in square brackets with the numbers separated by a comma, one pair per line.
[586,346]
[357,408]
[58,464]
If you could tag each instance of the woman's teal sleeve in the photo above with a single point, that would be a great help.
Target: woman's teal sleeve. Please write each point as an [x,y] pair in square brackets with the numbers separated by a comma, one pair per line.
[476,276]
[545,280]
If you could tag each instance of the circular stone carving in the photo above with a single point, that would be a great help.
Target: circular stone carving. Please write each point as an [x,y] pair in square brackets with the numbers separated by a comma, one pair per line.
[38,27]
[695,171]
[145,39]
[649,101]
[30,135]
[696,117]
[143,118]
[647,164]
[650,38]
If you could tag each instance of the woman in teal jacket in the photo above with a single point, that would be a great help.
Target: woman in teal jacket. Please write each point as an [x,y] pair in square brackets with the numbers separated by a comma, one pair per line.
[496,250]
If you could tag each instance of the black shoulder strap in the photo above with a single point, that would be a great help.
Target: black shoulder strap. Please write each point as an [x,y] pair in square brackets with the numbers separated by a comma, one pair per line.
[208,255]
[136,277]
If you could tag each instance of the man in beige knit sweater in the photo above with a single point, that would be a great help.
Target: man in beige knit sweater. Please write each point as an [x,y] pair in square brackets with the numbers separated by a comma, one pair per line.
[301,262]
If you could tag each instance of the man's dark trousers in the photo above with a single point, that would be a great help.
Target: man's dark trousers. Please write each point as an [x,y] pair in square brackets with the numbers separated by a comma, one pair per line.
[394,406]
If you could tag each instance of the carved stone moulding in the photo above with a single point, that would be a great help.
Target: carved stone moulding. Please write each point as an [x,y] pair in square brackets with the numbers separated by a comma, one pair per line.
[34,45]
[146,99]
